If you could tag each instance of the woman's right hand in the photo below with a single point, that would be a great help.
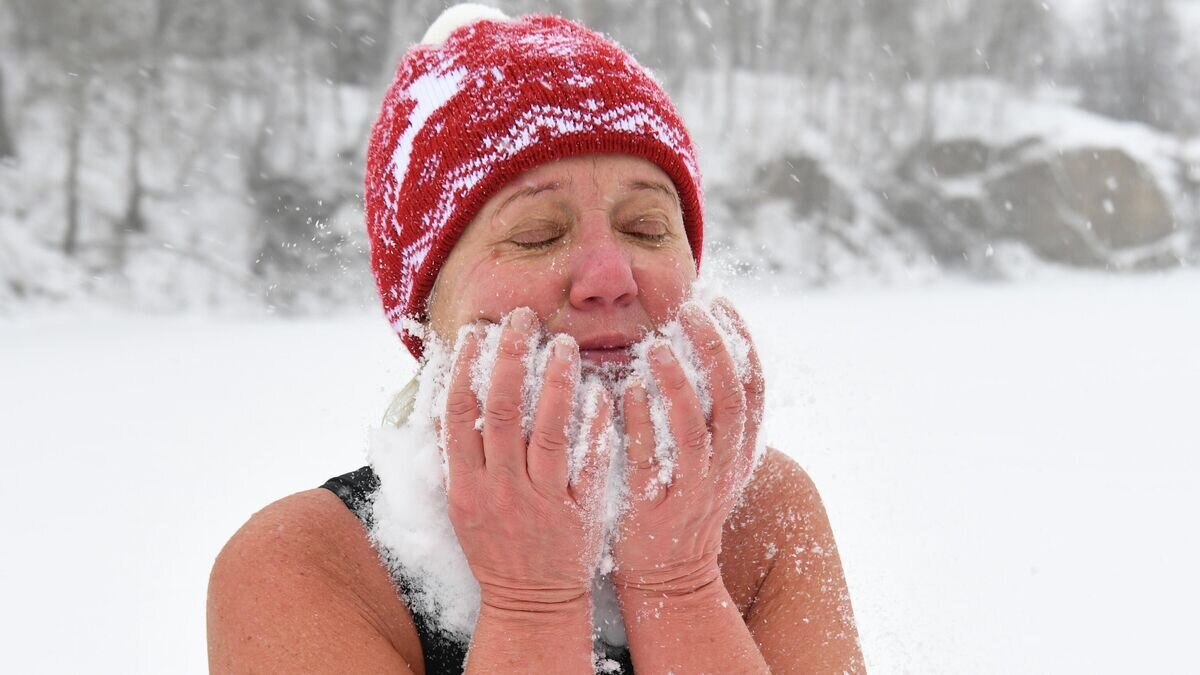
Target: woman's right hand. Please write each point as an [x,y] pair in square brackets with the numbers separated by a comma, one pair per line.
[531,536]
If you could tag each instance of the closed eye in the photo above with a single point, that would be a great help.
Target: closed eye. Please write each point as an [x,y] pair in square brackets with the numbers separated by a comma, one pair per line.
[652,238]
[534,245]
[537,237]
[647,229]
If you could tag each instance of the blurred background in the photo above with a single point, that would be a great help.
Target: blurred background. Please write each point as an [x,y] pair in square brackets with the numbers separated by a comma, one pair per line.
[161,154]
[964,234]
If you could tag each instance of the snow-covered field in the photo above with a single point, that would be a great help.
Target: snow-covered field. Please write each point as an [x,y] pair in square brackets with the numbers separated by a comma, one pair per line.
[1010,470]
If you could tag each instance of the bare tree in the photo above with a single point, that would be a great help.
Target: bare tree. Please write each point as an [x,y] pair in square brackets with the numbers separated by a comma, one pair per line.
[8,147]
[1012,40]
[66,39]
[76,113]
[1133,76]
[148,77]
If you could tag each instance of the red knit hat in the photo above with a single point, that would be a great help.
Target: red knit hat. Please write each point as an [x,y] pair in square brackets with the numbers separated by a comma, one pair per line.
[498,98]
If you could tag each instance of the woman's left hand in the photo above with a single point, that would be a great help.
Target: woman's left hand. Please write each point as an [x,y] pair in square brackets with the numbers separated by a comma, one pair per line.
[670,535]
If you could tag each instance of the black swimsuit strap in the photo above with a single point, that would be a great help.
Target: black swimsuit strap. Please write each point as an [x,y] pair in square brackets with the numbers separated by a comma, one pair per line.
[442,655]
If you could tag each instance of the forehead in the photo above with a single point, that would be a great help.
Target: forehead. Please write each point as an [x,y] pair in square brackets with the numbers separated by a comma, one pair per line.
[604,174]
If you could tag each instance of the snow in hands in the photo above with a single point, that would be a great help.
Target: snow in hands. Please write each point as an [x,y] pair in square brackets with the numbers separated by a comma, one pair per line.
[563,401]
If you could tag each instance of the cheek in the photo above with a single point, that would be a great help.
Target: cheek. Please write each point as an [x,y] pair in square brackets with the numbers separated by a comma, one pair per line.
[664,286]
[493,290]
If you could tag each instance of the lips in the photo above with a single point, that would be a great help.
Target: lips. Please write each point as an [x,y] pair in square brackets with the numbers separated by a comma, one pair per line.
[607,341]
[606,356]
[601,350]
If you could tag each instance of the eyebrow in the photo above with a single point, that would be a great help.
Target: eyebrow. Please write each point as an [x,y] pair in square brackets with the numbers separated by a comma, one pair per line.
[529,191]
[639,184]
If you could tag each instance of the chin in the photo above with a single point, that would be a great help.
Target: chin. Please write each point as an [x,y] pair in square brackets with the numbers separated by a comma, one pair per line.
[611,371]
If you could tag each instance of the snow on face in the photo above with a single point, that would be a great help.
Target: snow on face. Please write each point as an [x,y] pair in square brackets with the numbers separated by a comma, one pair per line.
[412,528]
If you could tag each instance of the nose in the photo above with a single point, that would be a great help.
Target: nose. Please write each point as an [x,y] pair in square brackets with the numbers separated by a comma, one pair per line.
[602,277]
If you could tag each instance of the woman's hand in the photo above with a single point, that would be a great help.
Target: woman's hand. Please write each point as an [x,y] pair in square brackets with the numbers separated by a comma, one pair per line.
[670,535]
[531,537]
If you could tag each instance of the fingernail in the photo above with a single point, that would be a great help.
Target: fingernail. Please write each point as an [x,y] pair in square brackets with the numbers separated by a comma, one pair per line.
[662,353]
[691,314]
[521,319]
[562,350]
[637,389]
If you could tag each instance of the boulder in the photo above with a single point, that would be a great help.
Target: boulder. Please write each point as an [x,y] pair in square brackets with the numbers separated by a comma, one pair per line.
[804,183]
[1079,205]
[1082,207]
[949,159]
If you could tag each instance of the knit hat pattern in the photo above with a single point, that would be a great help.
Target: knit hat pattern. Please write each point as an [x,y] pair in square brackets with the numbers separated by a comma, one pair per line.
[498,98]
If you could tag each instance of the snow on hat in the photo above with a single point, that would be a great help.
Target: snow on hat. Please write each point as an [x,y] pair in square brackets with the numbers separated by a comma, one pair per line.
[480,101]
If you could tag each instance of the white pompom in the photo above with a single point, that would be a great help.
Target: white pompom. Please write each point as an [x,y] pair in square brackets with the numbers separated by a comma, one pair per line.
[457,16]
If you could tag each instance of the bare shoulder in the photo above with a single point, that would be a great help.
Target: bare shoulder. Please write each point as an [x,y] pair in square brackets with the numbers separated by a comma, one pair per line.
[299,587]
[781,478]
[780,508]
[781,565]
[783,499]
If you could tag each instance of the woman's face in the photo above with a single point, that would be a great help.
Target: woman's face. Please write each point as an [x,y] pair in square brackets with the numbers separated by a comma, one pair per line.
[594,245]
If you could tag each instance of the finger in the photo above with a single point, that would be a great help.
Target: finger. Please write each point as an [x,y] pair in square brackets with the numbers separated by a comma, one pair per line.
[728,397]
[503,435]
[754,380]
[463,443]
[642,469]
[589,486]
[548,442]
[685,418]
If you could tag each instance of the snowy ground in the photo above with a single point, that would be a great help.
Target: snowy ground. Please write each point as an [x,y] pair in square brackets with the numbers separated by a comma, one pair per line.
[1010,470]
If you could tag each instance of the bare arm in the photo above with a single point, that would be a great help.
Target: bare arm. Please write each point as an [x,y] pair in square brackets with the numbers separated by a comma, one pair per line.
[700,631]
[299,589]
[781,566]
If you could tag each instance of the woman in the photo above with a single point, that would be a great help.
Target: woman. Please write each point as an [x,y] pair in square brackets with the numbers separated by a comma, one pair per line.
[529,173]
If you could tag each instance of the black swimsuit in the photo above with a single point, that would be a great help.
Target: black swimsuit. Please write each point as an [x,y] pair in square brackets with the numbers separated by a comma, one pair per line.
[442,654]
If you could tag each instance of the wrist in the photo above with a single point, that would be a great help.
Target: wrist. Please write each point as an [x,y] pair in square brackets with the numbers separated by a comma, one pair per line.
[677,580]
[685,593]
[532,634]
[642,608]
[551,603]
